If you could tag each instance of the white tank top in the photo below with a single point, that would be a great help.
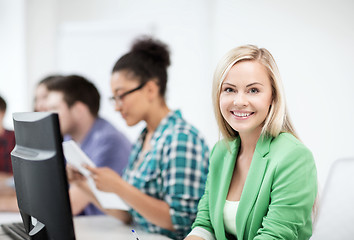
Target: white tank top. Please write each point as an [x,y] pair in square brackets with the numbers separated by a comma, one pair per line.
[230,210]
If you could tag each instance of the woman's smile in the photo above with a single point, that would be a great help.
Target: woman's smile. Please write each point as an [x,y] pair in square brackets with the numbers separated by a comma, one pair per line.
[242,115]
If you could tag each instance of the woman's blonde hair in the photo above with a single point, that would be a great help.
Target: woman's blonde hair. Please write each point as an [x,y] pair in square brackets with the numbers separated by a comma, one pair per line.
[277,120]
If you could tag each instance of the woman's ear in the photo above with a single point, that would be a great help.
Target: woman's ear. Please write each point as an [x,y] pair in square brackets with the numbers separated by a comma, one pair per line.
[152,89]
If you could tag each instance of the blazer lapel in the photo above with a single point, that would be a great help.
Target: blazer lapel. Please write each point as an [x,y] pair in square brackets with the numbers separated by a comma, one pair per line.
[252,184]
[221,189]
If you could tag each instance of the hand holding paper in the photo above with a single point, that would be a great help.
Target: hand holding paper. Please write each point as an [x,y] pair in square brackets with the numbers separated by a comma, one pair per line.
[76,157]
[105,178]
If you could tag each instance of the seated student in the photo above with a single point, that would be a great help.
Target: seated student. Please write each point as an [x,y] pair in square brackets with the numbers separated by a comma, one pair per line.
[77,102]
[167,170]
[41,93]
[262,180]
[8,200]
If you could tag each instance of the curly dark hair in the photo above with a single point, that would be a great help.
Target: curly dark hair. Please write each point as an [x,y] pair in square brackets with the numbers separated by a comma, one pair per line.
[148,58]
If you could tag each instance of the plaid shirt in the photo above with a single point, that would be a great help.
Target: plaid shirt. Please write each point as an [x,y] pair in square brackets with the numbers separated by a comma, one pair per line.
[173,170]
[7,143]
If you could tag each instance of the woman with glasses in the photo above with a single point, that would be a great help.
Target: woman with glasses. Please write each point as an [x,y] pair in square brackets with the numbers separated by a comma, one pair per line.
[167,170]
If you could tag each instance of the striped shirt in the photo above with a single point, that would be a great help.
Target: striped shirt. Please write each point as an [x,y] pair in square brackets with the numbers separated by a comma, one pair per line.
[173,170]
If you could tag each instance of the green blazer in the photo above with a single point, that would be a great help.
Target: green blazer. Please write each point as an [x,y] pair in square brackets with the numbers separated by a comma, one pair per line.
[278,195]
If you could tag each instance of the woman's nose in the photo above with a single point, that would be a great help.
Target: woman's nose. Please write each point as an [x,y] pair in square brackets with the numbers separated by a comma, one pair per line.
[240,99]
[118,106]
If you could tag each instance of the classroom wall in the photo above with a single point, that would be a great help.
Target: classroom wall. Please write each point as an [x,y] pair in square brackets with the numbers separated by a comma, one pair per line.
[310,40]
[102,35]
[13,82]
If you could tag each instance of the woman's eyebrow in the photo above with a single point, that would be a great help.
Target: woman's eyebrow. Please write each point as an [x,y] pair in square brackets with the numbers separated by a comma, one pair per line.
[255,83]
[116,90]
[233,85]
[248,85]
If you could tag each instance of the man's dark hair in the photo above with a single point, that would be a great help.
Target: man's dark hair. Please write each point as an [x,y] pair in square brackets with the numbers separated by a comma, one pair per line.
[77,88]
[48,79]
[2,105]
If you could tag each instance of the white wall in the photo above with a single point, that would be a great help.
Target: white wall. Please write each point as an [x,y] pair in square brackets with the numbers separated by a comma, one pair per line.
[41,41]
[13,82]
[181,24]
[310,40]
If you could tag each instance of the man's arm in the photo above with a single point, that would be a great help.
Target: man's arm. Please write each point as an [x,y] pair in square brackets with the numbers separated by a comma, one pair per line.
[8,200]
[78,199]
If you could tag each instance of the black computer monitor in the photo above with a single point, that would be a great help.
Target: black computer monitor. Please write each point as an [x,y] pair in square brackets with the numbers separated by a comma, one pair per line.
[40,177]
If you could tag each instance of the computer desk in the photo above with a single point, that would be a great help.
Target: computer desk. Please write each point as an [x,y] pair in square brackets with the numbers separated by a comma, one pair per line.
[93,228]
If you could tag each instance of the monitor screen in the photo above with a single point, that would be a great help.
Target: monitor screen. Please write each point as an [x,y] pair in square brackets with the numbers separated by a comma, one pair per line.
[40,177]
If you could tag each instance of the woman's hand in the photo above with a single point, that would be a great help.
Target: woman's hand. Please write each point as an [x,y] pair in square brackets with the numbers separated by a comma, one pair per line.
[105,178]
[193,238]
[73,175]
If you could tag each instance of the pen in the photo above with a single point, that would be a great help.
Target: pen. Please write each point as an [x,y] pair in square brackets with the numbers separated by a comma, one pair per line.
[135,235]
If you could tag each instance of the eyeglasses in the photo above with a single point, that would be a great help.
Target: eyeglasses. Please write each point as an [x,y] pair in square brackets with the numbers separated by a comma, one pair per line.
[117,100]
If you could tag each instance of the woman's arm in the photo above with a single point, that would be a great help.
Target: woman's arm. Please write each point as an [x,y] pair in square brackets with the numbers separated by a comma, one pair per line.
[184,166]
[79,183]
[294,190]
[154,210]
[203,215]
[200,233]
[193,238]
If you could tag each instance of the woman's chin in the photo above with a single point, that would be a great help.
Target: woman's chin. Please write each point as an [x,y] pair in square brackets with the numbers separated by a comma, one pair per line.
[131,123]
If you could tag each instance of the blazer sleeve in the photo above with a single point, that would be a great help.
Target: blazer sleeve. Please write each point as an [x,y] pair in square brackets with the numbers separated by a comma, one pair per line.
[293,193]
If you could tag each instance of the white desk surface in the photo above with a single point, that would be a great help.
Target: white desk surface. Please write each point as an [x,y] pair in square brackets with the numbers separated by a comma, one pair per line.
[94,227]
[8,217]
[106,227]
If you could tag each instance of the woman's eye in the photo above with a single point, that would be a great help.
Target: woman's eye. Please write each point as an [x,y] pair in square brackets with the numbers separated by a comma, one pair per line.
[254,90]
[228,90]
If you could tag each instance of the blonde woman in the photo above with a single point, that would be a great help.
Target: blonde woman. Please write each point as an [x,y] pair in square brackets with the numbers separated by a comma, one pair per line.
[262,181]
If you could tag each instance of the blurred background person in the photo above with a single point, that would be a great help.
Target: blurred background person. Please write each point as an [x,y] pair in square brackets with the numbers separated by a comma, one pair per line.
[8,200]
[77,102]
[41,93]
[168,166]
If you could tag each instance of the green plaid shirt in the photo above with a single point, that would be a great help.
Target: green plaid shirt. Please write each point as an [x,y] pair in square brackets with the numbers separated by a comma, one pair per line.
[174,170]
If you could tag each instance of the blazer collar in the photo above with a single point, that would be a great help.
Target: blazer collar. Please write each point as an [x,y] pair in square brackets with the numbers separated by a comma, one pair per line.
[263,145]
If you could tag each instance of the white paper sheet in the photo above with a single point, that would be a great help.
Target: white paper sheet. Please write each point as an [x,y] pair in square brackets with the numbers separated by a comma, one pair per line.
[76,157]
